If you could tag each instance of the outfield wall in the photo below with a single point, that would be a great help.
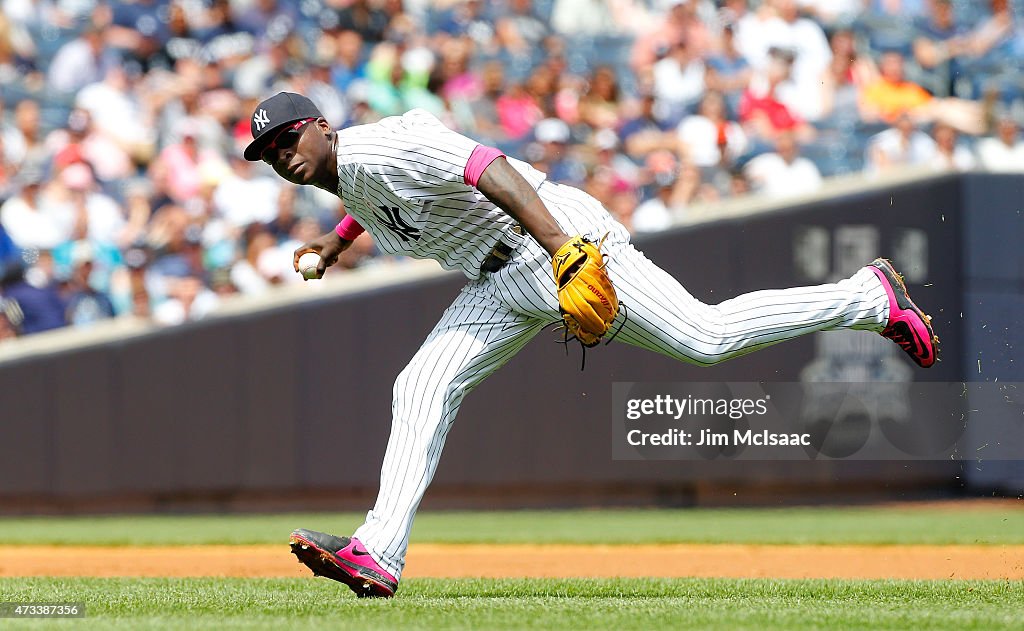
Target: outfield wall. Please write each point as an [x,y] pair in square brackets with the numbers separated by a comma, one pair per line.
[291,404]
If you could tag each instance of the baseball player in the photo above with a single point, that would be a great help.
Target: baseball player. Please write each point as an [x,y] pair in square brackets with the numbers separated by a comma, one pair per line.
[534,252]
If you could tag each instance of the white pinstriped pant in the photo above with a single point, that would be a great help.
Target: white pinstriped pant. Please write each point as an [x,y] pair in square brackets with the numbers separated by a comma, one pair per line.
[495,316]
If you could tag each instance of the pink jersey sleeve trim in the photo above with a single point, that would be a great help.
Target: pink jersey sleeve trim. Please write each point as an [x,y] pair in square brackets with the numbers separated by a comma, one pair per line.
[480,159]
[348,228]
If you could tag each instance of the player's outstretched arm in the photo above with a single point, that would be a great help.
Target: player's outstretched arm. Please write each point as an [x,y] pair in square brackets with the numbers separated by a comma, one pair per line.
[329,246]
[510,191]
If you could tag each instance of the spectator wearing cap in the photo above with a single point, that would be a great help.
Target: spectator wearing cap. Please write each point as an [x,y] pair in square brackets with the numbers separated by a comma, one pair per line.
[84,304]
[1003,152]
[32,218]
[552,136]
[41,308]
[624,172]
[783,172]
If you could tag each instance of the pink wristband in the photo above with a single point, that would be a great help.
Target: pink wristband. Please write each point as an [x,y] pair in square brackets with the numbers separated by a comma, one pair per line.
[480,159]
[348,228]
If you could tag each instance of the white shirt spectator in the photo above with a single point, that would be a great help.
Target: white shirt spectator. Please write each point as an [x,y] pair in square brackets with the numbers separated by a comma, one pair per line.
[106,221]
[677,86]
[891,148]
[833,11]
[961,160]
[652,215]
[114,111]
[244,198]
[583,17]
[700,136]
[995,155]
[194,303]
[757,35]
[772,175]
[44,227]
[73,67]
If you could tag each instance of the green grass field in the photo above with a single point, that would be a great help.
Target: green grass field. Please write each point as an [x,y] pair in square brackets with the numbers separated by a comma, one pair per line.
[549,604]
[863,525]
[282,604]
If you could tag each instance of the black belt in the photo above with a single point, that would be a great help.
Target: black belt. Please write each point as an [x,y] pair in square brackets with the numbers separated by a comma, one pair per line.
[500,254]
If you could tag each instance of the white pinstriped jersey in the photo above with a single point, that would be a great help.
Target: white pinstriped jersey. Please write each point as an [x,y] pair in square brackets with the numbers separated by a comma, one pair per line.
[402,179]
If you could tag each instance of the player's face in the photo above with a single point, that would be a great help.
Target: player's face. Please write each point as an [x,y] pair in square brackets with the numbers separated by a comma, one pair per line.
[297,153]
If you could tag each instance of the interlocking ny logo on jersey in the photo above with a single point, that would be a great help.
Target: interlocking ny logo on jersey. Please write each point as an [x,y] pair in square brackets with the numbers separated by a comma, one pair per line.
[393,221]
[261,119]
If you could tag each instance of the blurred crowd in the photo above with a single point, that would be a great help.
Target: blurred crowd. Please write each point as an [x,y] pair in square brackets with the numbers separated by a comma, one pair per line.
[122,122]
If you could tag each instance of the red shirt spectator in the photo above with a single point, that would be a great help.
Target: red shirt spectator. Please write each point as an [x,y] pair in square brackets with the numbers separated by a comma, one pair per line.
[767,107]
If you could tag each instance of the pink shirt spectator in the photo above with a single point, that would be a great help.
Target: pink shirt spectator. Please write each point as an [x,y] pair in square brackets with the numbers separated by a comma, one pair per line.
[517,114]
[180,168]
[464,87]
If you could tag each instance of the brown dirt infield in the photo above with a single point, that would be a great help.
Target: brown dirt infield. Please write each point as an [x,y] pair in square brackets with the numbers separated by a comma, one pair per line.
[499,561]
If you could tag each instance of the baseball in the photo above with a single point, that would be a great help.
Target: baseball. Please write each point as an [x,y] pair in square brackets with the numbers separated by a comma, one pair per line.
[307,265]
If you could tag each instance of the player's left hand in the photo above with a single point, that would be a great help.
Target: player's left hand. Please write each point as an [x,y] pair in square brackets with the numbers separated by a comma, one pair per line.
[586,297]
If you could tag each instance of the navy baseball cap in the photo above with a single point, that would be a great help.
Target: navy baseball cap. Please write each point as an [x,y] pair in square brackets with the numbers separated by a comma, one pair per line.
[273,113]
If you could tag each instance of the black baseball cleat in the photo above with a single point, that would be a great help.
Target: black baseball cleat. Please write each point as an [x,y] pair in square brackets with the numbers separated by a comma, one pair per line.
[343,559]
[908,326]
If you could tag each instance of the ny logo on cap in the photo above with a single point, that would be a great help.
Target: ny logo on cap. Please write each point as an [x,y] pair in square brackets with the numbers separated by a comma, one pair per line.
[261,119]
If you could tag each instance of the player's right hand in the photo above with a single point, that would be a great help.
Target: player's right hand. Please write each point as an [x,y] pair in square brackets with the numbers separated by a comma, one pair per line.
[328,245]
